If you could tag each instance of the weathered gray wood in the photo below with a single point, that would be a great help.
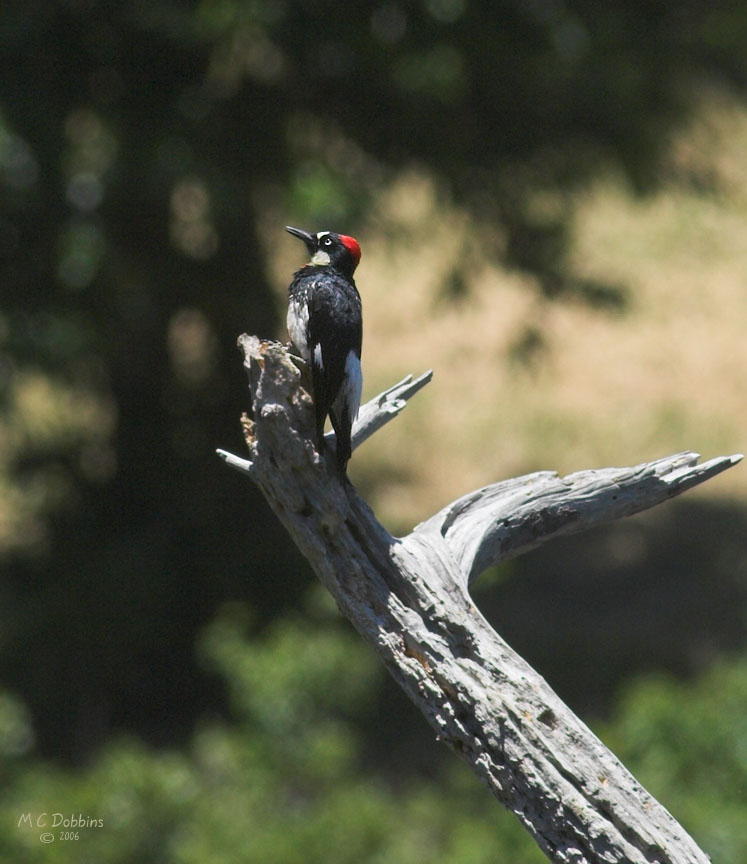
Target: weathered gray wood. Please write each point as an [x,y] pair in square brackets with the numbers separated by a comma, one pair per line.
[373,414]
[408,598]
[505,519]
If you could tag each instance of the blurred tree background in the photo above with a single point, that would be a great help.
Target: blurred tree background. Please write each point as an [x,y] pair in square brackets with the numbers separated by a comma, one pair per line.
[552,202]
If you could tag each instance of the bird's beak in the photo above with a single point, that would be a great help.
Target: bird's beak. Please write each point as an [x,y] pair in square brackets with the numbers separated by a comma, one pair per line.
[307,238]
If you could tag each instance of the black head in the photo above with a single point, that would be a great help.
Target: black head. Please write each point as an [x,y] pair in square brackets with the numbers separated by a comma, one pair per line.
[328,249]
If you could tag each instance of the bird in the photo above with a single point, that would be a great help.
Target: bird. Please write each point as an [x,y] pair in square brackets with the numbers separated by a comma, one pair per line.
[326,327]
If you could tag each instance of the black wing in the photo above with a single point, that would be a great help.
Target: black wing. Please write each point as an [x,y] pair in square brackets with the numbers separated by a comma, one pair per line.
[335,329]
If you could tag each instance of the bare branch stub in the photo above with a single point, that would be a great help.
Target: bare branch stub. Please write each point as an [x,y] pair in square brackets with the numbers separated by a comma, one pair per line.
[408,598]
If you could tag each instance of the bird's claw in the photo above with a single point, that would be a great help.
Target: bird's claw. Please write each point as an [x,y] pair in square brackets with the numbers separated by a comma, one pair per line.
[296,358]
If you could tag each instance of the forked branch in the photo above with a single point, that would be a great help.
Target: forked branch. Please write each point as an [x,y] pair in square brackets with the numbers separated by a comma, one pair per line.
[408,598]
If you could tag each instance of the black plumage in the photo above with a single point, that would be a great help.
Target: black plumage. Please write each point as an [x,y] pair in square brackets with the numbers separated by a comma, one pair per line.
[325,325]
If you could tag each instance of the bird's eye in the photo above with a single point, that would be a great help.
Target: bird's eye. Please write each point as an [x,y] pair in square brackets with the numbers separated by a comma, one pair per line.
[327,241]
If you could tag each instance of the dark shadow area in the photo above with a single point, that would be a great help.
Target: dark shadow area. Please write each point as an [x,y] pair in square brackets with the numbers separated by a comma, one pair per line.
[104,643]
[665,591]
[662,592]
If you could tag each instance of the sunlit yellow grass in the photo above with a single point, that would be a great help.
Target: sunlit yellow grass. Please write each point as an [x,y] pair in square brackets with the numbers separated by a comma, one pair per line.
[612,388]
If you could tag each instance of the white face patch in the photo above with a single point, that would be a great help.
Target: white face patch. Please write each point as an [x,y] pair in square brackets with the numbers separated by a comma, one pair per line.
[320,258]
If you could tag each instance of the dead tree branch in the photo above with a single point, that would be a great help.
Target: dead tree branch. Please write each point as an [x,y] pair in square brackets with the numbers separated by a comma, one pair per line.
[408,598]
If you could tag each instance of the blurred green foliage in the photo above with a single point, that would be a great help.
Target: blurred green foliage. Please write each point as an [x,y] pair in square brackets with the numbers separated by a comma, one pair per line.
[286,780]
[687,743]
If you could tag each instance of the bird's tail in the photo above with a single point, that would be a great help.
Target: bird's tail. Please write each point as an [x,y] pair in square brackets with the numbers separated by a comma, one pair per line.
[343,427]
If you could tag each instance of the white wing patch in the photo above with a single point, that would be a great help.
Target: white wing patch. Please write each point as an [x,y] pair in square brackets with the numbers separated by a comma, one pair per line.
[318,357]
[349,397]
[298,326]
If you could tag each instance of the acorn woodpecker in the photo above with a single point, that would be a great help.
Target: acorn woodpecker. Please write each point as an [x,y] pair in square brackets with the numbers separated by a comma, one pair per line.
[325,325]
